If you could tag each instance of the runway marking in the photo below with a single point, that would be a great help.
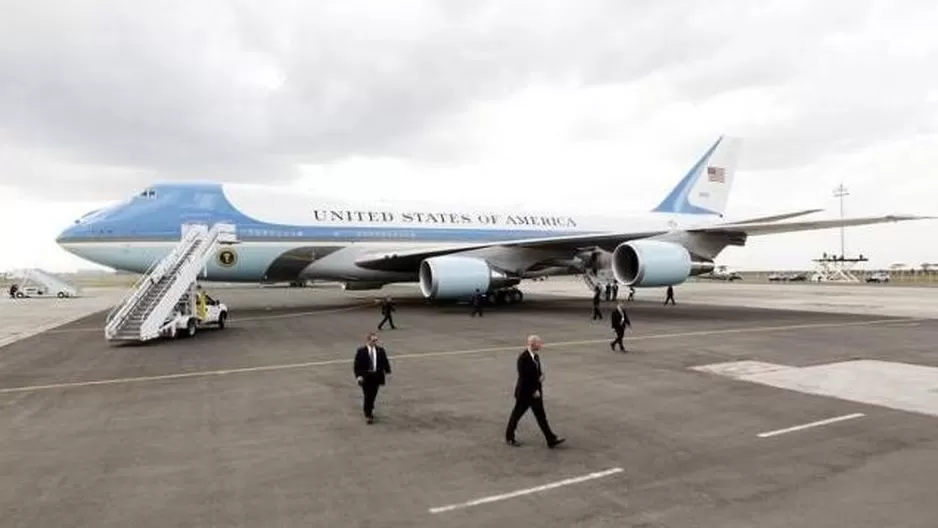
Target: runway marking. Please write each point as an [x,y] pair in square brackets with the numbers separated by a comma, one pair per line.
[448,353]
[810,425]
[528,491]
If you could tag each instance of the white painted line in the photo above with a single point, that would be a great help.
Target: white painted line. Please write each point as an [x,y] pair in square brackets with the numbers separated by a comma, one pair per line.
[424,355]
[552,485]
[812,424]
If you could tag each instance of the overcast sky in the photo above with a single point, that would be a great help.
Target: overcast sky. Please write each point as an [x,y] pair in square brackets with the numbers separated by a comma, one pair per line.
[580,105]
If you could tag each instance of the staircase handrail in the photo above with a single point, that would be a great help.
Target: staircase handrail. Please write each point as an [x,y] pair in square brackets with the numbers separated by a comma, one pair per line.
[154,273]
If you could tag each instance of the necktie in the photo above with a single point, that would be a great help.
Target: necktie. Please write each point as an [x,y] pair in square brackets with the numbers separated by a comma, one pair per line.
[374,363]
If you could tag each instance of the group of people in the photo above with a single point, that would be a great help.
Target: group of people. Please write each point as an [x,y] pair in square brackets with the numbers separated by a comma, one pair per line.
[372,368]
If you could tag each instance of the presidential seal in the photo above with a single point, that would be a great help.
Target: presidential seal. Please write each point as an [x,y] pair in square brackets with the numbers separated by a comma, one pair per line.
[227,258]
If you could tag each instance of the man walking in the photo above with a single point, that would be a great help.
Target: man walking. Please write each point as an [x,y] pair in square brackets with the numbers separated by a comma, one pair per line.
[620,320]
[477,300]
[529,394]
[371,370]
[387,307]
[670,296]
[596,295]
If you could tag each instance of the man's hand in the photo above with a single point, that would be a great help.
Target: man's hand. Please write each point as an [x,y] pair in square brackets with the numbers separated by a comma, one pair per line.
[537,394]
[360,380]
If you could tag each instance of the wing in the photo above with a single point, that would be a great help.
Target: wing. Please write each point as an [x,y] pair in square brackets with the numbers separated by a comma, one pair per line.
[772,228]
[409,260]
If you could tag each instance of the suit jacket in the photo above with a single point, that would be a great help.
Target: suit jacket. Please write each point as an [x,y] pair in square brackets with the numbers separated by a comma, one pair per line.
[620,320]
[363,363]
[387,307]
[529,376]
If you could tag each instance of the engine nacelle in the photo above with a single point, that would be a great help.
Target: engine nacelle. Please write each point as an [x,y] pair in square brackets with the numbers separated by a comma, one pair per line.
[452,276]
[654,263]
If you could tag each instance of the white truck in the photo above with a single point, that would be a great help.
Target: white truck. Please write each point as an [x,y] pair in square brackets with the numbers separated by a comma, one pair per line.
[191,313]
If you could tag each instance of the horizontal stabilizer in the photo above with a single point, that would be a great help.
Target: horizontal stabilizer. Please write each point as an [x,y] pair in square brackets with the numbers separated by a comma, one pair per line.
[775,218]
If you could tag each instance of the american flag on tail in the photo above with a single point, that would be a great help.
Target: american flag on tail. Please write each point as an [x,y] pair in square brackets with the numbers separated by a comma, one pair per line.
[715,174]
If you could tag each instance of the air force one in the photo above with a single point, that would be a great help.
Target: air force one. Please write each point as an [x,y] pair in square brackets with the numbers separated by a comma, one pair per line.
[286,235]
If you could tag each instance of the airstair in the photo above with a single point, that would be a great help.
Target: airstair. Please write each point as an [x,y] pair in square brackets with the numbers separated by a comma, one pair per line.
[600,279]
[35,282]
[145,312]
[834,268]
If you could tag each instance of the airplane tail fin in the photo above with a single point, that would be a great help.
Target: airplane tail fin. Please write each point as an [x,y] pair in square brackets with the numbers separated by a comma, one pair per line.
[705,189]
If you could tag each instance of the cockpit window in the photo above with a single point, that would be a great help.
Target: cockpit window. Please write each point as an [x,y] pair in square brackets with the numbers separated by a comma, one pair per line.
[149,193]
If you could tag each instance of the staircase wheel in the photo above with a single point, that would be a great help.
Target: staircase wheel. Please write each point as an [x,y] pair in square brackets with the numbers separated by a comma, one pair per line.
[222,318]
[190,327]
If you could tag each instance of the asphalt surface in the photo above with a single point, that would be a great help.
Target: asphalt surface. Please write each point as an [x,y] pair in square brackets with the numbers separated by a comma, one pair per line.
[260,424]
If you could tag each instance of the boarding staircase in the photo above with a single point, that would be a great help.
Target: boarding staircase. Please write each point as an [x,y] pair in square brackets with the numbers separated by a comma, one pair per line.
[48,285]
[831,268]
[600,278]
[143,314]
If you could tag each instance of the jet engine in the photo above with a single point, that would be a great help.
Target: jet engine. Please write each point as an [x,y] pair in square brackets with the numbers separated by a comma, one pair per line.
[452,276]
[655,263]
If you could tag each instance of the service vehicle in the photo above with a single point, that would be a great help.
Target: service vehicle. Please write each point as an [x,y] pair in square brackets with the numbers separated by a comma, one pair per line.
[195,310]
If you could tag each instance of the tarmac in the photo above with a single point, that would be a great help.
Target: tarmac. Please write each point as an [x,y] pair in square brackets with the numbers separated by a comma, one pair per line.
[718,416]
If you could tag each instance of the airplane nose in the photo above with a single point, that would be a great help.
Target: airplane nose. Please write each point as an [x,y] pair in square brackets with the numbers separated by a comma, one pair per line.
[66,235]
[72,234]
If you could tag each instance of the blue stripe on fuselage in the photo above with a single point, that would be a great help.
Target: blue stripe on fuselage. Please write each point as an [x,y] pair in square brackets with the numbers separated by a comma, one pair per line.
[160,216]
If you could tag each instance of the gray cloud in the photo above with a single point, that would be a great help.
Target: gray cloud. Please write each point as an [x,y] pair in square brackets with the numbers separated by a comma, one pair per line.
[119,93]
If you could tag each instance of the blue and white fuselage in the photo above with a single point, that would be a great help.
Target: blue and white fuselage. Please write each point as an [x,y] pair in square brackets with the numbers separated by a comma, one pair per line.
[289,235]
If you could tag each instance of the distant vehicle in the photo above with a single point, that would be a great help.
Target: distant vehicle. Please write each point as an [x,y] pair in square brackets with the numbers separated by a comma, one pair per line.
[38,291]
[774,277]
[723,275]
[798,277]
[878,277]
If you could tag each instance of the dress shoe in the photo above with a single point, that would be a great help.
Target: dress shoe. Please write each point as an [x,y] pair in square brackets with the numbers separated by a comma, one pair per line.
[513,443]
[556,442]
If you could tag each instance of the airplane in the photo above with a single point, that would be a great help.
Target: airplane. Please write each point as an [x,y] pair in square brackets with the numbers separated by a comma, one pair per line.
[285,235]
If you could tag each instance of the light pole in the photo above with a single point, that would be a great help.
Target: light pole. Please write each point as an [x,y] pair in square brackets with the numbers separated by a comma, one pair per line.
[840,192]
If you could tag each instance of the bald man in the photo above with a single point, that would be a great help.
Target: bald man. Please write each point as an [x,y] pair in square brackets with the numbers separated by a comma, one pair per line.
[529,394]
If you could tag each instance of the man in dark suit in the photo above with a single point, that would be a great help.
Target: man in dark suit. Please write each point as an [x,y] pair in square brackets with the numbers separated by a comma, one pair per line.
[372,369]
[597,292]
[620,320]
[478,299]
[387,308]
[670,295]
[529,394]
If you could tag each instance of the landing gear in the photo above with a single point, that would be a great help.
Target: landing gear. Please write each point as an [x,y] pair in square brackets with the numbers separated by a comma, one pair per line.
[508,296]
